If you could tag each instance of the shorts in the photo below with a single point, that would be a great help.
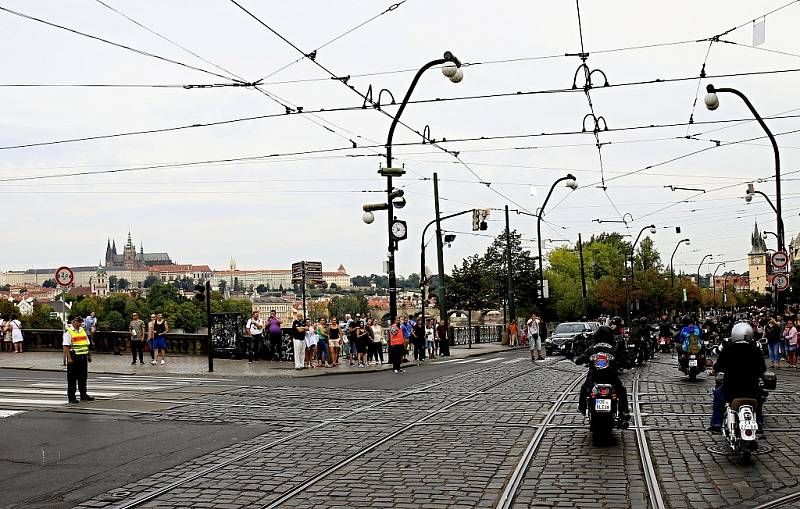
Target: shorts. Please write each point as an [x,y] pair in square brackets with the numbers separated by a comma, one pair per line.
[791,348]
[159,342]
[535,342]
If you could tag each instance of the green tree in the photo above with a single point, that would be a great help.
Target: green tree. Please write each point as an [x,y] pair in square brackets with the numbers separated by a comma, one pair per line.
[113,320]
[222,285]
[352,304]
[159,295]
[262,288]
[647,256]
[150,281]
[40,318]
[470,288]
[123,284]
[50,283]
[524,272]
[112,283]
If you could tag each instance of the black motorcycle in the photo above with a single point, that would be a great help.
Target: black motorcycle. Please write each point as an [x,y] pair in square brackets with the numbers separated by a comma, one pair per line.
[602,404]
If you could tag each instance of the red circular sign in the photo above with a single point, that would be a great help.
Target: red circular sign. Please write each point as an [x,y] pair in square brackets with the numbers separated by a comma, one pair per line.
[780,282]
[64,276]
[780,259]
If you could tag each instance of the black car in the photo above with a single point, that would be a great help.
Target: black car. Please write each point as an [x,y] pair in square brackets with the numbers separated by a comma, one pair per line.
[567,336]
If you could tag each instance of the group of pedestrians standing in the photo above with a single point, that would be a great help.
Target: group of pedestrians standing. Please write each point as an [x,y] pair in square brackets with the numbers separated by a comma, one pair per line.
[11,333]
[781,335]
[150,337]
[321,343]
[256,328]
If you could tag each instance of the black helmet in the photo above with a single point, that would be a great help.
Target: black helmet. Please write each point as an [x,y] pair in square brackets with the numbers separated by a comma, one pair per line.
[616,320]
[686,320]
[604,334]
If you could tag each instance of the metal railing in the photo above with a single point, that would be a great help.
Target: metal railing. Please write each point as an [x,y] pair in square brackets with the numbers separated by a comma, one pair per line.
[480,334]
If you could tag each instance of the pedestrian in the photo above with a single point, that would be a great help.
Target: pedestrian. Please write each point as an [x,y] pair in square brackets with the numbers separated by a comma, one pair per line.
[773,331]
[442,343]
[148,346]
[323,350]
[790,337]
[159,344]
[274,331]
[418,339]
[255,329]
[396,345]
[362,343]
[512,333]
[90,325]
[534,340]
[5,335]
[311,343]
[352,349]
[378,340]
[136,329]
[334,340]
[299,340]
[430,343]
[16,333]
[76,349]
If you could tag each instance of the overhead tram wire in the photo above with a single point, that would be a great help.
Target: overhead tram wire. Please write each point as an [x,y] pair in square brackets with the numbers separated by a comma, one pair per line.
[422,101]
[365,97]
[119,45]
[336,38]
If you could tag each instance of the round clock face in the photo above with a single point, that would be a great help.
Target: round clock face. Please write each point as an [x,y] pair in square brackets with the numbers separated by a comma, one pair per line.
[398,229]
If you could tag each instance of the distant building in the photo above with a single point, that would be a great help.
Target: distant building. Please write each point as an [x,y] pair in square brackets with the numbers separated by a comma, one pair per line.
[129,259]
[340,278]
[757,262]
[735,282]
[173,272]
[100,284]
[244,279]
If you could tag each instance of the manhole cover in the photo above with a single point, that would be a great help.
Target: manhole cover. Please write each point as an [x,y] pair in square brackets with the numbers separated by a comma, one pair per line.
[725,450]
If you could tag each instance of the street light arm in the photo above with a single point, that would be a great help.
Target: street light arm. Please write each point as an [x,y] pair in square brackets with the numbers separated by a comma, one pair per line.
[766,197]
[433,221]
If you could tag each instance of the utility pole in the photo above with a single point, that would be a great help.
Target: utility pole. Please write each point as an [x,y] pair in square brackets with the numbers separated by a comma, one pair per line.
[303,272]
[583,277]
[209,342]
[440,255]
[510,295]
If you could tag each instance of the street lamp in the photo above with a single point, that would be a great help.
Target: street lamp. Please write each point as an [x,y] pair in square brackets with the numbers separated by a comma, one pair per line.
[451,68]
[765,233]
[570,182]
[671,266]
[701,265]
[653,230]
[714,277]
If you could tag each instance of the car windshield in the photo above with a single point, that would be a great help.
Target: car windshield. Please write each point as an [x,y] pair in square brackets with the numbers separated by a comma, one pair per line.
[570,328]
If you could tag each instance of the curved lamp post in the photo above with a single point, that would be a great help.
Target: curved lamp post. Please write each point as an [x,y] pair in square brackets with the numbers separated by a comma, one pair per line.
[652,229]
[571,183]
[714,277]
[671,258]
[451,68]
[701,265]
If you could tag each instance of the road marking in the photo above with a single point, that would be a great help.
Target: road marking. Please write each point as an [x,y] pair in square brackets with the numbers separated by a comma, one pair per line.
[466,361]
[445,362]
[136,388]
[487,361]
[24,401]
[9,413]
[513,361]
[50,392]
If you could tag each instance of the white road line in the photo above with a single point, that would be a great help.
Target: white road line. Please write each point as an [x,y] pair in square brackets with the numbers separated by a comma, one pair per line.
[50,392]
[9,413]
[445,362]
[487,361]
[466,361]
[102,386]
[513,361]
[38,402]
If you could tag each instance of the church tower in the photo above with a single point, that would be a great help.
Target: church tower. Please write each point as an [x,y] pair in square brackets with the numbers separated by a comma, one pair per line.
[757,262]
[129,254]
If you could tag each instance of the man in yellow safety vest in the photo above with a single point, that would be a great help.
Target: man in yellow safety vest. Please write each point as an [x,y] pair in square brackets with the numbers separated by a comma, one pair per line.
[76,350]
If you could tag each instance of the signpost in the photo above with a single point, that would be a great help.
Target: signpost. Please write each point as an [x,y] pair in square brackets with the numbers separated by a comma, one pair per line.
[780,282]
[64,278]
[304,272]
[780,269]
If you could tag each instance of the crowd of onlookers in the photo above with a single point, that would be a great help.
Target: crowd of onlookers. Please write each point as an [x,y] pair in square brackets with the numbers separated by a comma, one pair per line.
[11,333]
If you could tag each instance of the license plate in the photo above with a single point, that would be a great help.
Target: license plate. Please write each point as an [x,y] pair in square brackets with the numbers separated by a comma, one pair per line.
[602,405]
[692,363]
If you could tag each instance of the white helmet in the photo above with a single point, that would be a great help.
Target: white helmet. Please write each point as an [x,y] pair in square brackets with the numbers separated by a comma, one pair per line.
[742,332]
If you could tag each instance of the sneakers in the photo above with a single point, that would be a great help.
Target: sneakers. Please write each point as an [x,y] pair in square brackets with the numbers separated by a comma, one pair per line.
[153,362]
[163,362]
[141,362]
[73,401]
[86,397]
[133,363]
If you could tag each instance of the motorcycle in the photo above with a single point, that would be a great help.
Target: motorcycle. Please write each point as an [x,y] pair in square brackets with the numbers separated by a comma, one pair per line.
[664,344]
[692,364]
[739,424]
[635,353]
[574,346]
[602,405]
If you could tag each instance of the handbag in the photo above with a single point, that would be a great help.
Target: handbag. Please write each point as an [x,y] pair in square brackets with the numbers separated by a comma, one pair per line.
[146,346]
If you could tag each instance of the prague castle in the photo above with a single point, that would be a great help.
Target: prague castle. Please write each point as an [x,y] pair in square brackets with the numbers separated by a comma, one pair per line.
[129,259]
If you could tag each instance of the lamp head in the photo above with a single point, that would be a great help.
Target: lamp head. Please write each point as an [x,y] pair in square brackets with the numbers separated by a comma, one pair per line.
[748,197]
[449,69]
[457,76]
[653,229]
[712,101]
[571,182]
[687,242]
[368,217]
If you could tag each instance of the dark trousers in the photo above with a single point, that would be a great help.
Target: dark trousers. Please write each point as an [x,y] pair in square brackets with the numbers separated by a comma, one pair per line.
[375,351]
[419,350]
[718,407]
[254,347]
[152,353]
[275,345]
[137,346]
[76,373]
[396,353]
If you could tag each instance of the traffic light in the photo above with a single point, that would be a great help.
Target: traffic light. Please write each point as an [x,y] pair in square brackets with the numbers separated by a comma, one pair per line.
[199,293]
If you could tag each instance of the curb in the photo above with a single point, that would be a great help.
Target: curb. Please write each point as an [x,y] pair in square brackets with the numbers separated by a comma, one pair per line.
[279,372]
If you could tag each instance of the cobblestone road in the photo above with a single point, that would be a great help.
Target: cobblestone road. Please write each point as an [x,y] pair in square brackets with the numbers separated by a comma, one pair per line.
[455,441]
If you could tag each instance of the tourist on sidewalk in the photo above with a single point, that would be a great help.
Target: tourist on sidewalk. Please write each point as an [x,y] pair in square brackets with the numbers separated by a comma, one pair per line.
[16,333]
[430,343]
[136,329]
[334,340]
[396,345]
[255,329]
[362,343]
[534,339]
[311,343]
[378,340]
[274,332]
[418,339]
[323,352]
[299,340]
[160,330]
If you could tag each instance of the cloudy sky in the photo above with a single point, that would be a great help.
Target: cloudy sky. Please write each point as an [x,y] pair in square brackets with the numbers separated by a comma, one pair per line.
[267,212]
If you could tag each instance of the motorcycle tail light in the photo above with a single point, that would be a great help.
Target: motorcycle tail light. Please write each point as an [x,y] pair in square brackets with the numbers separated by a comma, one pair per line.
[604,391]
[748,432]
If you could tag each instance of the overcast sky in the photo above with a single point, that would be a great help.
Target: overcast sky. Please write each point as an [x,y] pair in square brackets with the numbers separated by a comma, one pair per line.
[269,213]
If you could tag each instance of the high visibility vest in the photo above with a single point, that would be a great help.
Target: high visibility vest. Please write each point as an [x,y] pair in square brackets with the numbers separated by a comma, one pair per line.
[80,341]
[396,336]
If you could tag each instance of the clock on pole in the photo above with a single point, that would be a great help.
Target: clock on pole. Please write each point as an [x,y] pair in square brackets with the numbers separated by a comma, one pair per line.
[399,230]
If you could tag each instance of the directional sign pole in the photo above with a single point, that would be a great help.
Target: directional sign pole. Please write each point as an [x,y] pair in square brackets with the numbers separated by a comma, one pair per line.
[303,270]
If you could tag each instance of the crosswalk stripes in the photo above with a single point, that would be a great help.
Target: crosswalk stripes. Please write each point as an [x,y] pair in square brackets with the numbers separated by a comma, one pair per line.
[18,395]
[514,361]
[465,361]
[488,361]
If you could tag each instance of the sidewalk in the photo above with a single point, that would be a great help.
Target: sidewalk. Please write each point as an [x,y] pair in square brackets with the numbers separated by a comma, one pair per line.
[194,365]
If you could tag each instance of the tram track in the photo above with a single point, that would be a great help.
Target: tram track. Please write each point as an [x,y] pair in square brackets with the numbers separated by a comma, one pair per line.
[154,494]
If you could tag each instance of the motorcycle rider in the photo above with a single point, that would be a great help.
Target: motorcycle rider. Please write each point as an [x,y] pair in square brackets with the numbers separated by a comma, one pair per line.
[640,335]
[688,334]
[603,341]
[743,365]
[617,327]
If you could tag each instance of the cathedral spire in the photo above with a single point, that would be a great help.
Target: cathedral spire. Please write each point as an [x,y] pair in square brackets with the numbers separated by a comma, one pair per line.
[130,242]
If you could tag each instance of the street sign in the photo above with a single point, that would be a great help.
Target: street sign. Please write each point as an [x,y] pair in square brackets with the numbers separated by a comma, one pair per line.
[64,276]
[313,272]
[780,260]
[780,282]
